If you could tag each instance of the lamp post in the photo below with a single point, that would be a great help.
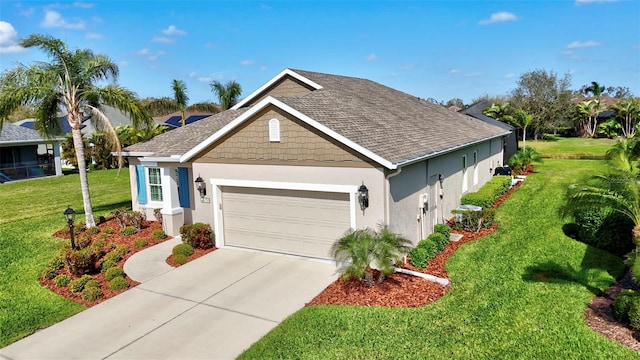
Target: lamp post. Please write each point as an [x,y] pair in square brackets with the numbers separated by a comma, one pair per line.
[69,214]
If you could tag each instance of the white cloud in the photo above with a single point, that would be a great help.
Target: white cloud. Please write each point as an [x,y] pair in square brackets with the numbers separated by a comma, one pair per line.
[172,30]
[499,17]
[145,52]
[372,57]
[160,39]
[586,2]
[585,44]
[53,19]
[92,35]
[455,71]
[247,62]
[9,39]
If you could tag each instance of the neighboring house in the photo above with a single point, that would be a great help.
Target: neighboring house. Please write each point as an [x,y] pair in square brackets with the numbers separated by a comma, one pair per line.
[174,120]
[25,154]
[285,169]
[510,142]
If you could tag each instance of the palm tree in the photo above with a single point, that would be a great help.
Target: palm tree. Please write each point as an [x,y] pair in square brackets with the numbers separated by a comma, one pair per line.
[595,89]
[522,119]
[500,112]
[589,109]
[165,105]
[227,94]
[628,113]
[68,82]
[522,159]
[624,155]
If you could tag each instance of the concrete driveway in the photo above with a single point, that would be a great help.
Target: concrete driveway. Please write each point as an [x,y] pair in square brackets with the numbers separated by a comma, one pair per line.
[212,308]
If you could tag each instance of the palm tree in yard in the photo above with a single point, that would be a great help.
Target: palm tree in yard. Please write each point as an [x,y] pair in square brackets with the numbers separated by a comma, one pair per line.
[68,82]
[522,119]
[227,94]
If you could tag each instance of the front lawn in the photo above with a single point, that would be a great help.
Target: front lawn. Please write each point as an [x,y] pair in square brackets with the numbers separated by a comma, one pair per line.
[31,212]
[571,148]
[519,293]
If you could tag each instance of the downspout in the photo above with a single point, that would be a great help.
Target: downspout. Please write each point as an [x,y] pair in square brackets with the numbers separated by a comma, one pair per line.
[387,193]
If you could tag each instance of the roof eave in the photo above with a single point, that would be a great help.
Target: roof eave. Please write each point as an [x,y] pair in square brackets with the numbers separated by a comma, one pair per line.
[282,74]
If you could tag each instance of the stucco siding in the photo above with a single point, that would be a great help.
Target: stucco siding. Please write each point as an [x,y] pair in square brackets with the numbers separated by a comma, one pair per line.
[299,144]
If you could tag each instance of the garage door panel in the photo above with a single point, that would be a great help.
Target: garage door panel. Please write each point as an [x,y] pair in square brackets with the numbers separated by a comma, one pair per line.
[288,221]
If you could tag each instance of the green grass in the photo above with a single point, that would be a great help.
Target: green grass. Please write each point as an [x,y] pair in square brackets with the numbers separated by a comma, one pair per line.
[31,212]
[572,148]
[518,293]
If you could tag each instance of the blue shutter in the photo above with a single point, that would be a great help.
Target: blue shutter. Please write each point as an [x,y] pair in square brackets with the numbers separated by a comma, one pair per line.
[142,186]
[183,187]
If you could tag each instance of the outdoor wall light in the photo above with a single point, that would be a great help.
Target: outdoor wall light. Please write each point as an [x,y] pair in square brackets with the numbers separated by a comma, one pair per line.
[363,197]
[70,215]
[201,186]
[440,178]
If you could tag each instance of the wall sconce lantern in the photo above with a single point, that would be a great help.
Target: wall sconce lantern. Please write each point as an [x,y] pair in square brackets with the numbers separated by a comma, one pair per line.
[441,180]
[363,197]
[201,186]
[70,215]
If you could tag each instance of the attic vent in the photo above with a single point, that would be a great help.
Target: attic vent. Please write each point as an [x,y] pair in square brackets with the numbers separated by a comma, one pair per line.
[274,130]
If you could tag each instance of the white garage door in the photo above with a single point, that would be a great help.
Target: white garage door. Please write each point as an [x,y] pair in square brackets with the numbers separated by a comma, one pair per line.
[287,221]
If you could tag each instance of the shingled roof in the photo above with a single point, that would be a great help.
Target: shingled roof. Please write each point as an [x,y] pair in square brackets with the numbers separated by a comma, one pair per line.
[393,125]
[15,134]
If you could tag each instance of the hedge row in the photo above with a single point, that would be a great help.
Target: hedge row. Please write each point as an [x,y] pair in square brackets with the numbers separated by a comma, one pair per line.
[428,248]
[489,193]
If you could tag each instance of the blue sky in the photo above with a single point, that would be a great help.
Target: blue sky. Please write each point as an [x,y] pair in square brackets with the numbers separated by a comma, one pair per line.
[430,49]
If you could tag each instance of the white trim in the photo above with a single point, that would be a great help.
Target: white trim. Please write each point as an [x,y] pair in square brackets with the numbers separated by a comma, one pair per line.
[269,100]
[217,184]
[275,79]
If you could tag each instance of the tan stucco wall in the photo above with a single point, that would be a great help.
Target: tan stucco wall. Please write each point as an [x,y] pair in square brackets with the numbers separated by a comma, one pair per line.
[299,144]
[287,86]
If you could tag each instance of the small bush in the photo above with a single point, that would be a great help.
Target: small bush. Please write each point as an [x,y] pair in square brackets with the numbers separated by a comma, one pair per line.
[180,259]
[430,246]
[182,249]
[92,283]
[488,217]
[197,235]
[605,229]
[108,230]
[107,264]
[113,272]
[56,263]
[125,218]
[622,305]
[140,243]
[442,229]
[80,262]
[61,280]
[78,284]
[91,293]
[128,230]
[419,257]
[158,234]
[489,192]
[49,273]
[440,240]
[118,283]
[93,230]
[82,241]
[634,313]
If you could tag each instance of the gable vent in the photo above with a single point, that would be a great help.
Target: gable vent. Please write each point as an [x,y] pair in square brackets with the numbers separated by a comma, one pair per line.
[274,130]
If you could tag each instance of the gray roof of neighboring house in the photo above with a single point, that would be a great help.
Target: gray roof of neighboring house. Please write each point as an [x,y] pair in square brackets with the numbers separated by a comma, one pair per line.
[12,133]
[476,110]
[389,123]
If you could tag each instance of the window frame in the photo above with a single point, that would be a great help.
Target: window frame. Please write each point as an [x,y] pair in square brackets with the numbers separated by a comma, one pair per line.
[152,196]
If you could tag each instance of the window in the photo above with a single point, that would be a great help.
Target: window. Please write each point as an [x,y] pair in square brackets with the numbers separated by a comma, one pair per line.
[465,186]
[475,168]
[274,130]
[155,184]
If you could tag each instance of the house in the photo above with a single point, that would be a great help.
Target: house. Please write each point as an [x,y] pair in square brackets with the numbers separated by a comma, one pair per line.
[25,154]
[174,120]
[510,142]
[307,156]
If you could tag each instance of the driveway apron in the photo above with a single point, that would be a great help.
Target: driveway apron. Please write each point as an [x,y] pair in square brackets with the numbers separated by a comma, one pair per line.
[214,307]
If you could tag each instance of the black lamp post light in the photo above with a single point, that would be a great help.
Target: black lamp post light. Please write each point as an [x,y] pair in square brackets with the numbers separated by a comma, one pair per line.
[70,215]
[363,197]
[201,186]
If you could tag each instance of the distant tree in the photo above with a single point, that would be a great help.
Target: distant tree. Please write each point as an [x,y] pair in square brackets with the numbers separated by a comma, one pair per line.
[70,81]
[588,111]
[21,113]
[545,97]
[595,89]
[457,102]
[619,92]
[167,105]
[628,115]
[521,119]
[501,112]
[227,94]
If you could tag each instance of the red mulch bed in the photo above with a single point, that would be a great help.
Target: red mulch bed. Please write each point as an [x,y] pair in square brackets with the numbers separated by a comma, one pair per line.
[196,254]
[117,239]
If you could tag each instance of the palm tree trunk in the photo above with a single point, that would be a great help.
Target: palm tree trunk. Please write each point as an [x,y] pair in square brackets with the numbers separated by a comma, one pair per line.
[78,144]
[636,235]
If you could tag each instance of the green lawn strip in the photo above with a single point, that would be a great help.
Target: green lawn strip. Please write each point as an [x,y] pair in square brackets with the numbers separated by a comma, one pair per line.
[571,148]
[519,293]
[31,213]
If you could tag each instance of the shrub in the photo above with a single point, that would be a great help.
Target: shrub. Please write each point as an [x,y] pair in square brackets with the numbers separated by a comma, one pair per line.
[125,218]
[140,243]
[158,234]
[92,283]
[118,283]
[113,272]
[107,264]
[440,240]
[180,259]
[49,273]
[419,257]
[108,230]
[605,229]
[430,246]
[78,284]
[442,229]
[121,250]
[182,249]
[93,230]
[622,304]
[82,241]
[488,217]
[56,263]
[489,192]
[61,281]
[91,293]
[197,235]
[634,313]
[128,230]
[80,262]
